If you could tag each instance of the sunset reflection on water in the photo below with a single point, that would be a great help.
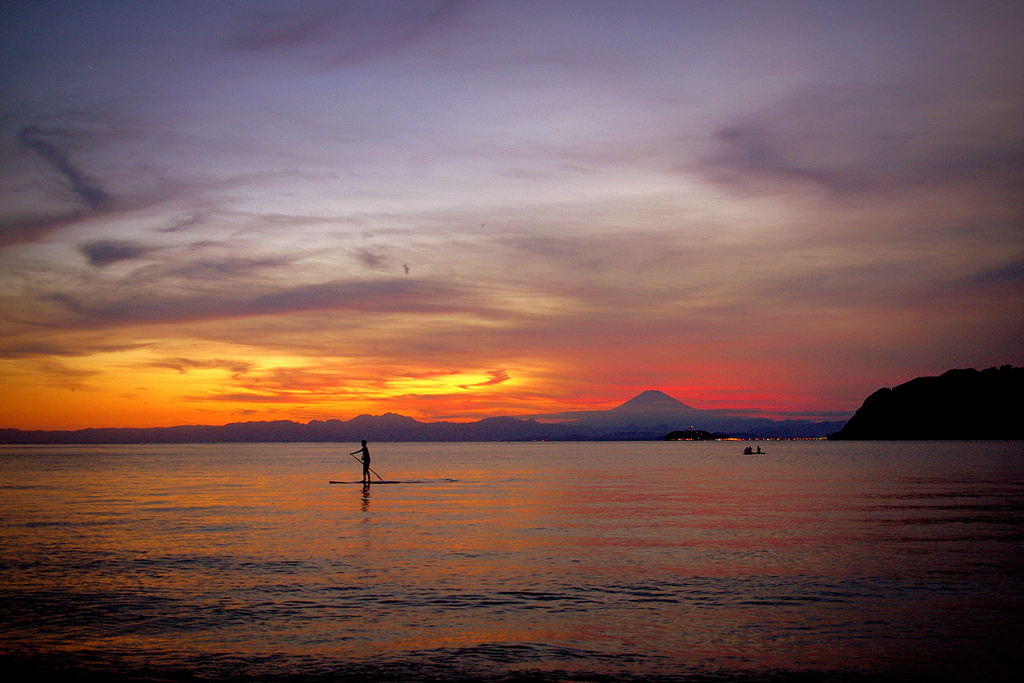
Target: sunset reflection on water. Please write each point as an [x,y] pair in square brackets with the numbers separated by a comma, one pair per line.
[632,559]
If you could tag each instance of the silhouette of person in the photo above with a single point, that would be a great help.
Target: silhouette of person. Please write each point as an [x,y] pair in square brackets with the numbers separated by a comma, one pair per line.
[759,451]
[366,461]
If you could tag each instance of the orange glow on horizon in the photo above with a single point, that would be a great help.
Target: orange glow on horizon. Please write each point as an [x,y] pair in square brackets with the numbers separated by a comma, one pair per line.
[140,388]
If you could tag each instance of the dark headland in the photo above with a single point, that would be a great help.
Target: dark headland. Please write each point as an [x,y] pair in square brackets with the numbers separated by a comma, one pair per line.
[958,404]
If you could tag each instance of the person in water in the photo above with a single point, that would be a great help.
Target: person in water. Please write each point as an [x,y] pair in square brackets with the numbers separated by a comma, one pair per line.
[366,461]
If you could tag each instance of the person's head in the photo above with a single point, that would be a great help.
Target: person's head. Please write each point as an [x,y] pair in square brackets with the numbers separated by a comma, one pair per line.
[364,442]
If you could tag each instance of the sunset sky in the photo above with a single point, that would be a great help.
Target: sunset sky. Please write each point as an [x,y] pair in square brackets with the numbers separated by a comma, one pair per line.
[250,210]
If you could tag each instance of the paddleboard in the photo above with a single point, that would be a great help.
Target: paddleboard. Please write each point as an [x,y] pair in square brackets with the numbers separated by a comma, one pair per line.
[372,482]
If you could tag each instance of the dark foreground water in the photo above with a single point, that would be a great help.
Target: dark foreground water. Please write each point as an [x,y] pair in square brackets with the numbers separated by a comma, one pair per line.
[501,562]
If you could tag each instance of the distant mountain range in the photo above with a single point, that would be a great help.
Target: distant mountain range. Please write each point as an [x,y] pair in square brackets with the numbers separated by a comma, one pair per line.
[653,414]
[648,416]
[959,404]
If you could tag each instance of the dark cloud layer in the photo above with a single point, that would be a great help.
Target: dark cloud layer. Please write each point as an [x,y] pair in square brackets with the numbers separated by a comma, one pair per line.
[66,348]
[204,271]
[106,252]
[19,229]
[374,298]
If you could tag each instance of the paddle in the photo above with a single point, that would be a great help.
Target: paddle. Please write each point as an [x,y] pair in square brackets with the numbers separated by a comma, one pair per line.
[369,468]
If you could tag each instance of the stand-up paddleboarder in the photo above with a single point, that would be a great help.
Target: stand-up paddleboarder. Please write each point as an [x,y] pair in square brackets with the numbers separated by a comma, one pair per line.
[366,461]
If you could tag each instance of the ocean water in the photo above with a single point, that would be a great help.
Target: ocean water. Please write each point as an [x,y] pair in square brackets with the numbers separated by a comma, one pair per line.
[635,561]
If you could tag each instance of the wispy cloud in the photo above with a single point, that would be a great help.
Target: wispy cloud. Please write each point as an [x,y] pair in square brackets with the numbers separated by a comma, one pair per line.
[48,145]
[281,397]
[496,377]
[62,375]
[341,33]
[183,365]
[371,259]
[854,140]
[53,192]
